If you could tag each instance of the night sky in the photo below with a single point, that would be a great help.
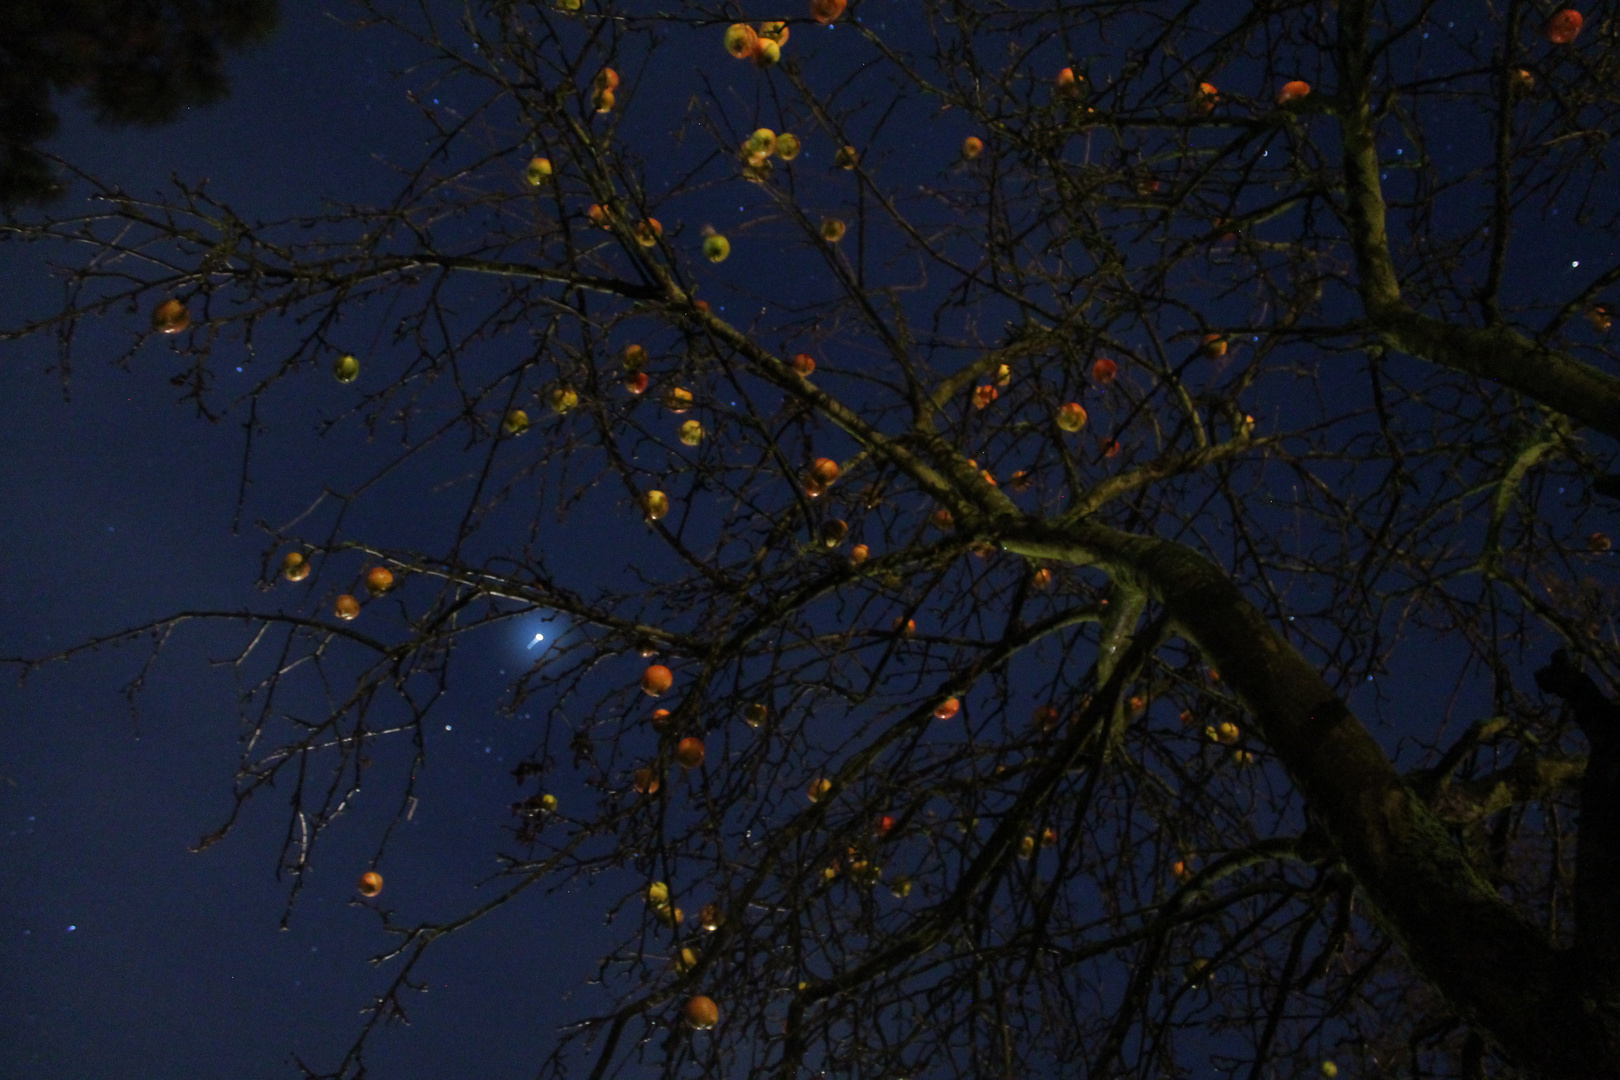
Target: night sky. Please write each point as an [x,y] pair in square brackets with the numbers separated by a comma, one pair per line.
[122,954]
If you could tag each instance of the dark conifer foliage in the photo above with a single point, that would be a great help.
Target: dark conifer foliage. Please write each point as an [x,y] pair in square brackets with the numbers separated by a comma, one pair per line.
[134,62]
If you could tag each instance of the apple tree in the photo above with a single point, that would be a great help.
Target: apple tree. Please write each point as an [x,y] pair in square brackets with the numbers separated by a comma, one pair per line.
[1040,470]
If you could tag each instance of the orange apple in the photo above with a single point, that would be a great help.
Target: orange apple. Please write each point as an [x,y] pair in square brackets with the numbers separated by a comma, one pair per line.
[379,580]
[656,680]
[689,752]
[825,470]
[766,52]
[701,1012]
[827,11]
[1295,90]
[740,41]
[170,317]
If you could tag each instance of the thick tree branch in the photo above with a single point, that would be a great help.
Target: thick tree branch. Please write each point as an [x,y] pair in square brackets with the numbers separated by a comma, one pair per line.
[1549,376]
[1494,967]
[1429,782]
[1553,378]
[1597,870]
[1530,778]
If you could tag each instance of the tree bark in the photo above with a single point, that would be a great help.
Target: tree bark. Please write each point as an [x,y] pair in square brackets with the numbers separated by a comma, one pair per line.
[1597,867]
[1549,1014]
[1549,376]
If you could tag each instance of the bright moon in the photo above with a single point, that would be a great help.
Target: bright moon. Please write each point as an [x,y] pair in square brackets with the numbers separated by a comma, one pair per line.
[538,638]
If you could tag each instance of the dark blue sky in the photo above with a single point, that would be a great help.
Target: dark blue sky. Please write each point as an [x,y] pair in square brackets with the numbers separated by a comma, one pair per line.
[121,954]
